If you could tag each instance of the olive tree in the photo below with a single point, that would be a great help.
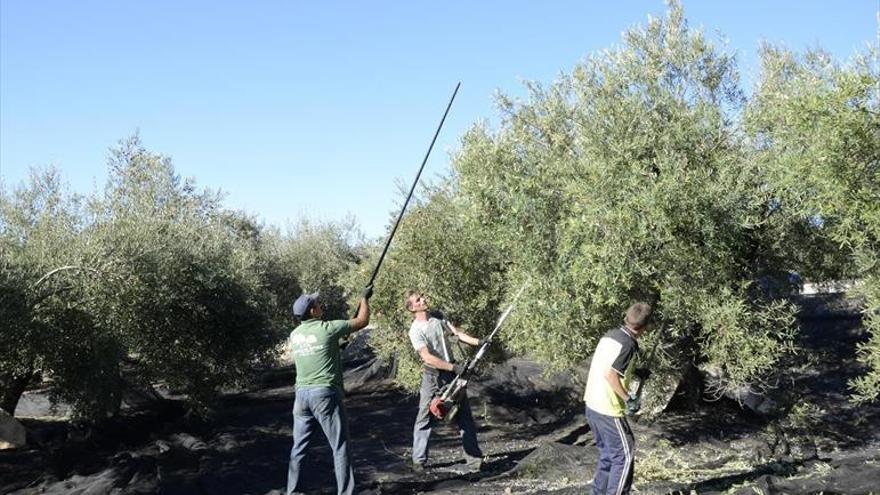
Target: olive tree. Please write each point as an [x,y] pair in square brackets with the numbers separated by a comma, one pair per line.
[185,294]
[48,268]
[629,179]
[152,281]
[319,256]
[816,128]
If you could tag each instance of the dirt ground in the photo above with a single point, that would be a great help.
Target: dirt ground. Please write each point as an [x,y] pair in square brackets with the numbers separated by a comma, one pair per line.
[531,429]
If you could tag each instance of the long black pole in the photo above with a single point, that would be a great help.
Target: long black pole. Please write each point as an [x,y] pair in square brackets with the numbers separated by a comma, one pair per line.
[413,188]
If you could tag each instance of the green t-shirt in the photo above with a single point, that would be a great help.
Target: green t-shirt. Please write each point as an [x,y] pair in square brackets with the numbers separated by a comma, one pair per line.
[315,348]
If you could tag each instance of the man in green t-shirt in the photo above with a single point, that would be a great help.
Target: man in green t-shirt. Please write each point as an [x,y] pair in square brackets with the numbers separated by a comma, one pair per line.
[315,348]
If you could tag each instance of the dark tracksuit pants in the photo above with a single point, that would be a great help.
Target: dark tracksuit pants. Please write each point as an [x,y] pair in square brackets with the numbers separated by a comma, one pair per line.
[614,439]
[431,383]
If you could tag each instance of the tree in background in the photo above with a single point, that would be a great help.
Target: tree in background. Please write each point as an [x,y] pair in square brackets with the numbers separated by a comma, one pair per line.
[154,277]
[186,295]
[816,125]
[320,256]
[46,271]
[151,282]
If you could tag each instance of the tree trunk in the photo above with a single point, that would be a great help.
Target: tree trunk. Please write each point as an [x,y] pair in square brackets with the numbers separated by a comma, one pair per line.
[12,386]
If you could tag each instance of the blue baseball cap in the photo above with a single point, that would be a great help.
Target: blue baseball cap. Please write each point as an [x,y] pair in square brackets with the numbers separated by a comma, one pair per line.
[303,303]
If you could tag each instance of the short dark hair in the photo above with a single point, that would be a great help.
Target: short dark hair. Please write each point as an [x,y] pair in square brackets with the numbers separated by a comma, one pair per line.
[408,294]
[638,315]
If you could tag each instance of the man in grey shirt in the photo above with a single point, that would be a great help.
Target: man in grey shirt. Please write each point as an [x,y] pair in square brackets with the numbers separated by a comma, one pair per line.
[429,338]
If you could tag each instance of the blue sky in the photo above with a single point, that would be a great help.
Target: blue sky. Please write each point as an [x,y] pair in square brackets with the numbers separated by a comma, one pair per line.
[319,109]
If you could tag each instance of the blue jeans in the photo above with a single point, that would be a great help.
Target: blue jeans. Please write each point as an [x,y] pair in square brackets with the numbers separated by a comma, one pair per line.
[431,382]
[320,406]
[614,438]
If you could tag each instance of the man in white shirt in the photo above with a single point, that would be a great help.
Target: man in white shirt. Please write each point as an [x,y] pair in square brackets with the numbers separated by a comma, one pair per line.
[429,338]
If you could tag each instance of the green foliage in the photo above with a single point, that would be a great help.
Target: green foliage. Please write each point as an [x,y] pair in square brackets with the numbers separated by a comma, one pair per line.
[46,277]
[185,291]
[867,387]
[817,126]
[665,462]
[320,256]
[154,273]
[804,418]
[151,282]
[733,327]
[627,180]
